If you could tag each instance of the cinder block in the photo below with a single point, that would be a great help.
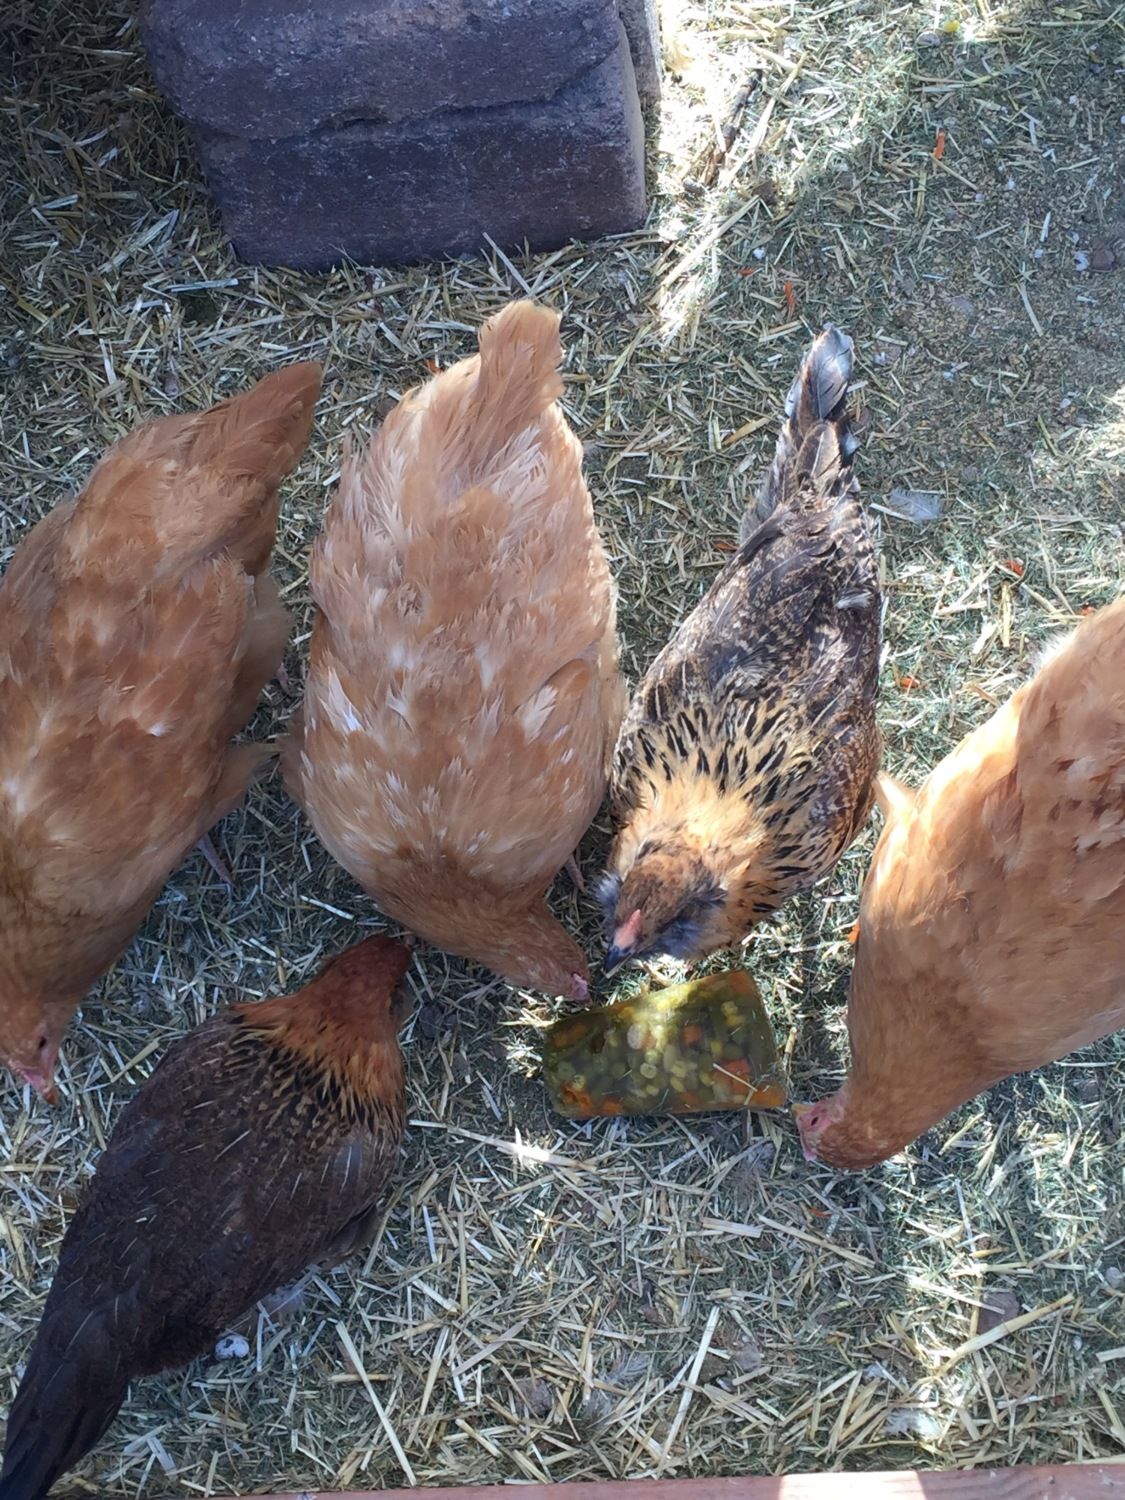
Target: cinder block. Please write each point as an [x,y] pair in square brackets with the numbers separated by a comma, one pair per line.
[263,69]
[642,25]
[568,167]
[389,131]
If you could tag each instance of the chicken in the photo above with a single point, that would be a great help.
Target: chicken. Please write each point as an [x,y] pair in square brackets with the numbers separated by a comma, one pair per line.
[138,626]
[745,763]
[463,694]
[992,922]
[260,1145]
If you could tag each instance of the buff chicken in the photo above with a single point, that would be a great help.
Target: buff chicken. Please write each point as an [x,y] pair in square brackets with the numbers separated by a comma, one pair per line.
[745,764]
[138,626]
[463,693]
[260,1145]
[992,922]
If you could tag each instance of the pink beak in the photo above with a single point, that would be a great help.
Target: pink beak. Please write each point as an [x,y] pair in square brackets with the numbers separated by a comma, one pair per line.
[624,941]
[42,1079]
[807,1147]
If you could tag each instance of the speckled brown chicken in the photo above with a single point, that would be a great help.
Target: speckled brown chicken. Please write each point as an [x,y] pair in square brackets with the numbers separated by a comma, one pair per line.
[138,625]
[744,766]
[260,1145]
[463,696]
[992,922]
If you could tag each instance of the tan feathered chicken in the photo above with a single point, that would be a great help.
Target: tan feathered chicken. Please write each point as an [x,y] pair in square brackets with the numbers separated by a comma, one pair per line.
[138,626]
[992,923]
[463,692]
[745,763]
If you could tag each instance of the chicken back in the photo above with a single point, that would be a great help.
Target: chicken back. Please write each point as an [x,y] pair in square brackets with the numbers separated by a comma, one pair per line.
[138,626]
[992,923]
[463,693]
[260,1145]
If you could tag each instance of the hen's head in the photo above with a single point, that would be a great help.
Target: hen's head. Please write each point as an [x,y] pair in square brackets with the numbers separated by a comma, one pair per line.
[345,1022]
[30,1038]
[363,989]
[537,953]
[666,901]
[848,1137]
[813,1120]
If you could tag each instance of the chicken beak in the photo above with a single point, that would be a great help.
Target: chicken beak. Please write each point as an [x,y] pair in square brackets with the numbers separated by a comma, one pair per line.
[42,1079]
[808,1149]
[624,943]
[614,958]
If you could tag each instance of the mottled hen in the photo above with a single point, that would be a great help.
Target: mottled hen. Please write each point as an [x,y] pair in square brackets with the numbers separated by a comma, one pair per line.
[463,695]
[260,1145]
[745,763]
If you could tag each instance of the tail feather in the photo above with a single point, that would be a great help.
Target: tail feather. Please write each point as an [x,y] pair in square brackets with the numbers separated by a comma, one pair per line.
[260,433]
[263,432]
[186,487]
[473,427]
[894,797]
[516,381]
[52,1426]
[816,443]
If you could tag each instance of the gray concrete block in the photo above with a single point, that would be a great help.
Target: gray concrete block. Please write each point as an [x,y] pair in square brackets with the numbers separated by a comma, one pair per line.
[570,166]
[642,25]
[263,69]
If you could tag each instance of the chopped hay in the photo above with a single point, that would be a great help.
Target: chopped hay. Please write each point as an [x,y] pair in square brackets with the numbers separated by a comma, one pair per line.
[555,1301]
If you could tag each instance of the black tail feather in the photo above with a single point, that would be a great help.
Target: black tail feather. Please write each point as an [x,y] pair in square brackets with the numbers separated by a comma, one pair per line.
[51,1426]
[816,442]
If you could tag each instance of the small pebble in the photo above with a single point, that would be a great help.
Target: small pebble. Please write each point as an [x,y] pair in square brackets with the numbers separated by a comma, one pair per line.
[1102,258]
[998,1306]
[233,1346]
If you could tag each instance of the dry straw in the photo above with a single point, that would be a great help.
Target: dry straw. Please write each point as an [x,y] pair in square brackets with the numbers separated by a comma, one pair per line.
[550,1301]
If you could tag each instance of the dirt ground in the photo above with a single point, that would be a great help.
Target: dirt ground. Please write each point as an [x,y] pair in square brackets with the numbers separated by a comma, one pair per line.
[946,182]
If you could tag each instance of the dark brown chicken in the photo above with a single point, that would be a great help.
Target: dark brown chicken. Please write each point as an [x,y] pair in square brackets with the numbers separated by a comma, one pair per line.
[744,766]
[138,625]
[992,922]
[260,1145]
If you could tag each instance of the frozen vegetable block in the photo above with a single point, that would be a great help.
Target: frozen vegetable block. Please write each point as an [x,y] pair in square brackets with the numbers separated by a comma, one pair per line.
[694,1047]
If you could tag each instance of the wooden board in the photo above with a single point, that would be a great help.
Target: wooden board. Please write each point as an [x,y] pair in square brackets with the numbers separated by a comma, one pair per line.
[1057,1482]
